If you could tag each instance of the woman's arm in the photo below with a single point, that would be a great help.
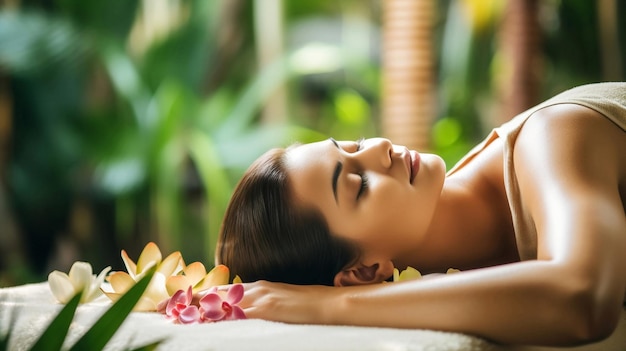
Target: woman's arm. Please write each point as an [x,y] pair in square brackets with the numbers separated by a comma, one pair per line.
[521,303]
[572,294]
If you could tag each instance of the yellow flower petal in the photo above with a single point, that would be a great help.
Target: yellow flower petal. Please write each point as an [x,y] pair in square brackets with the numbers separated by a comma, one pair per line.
[150,255]
[172,264]
[219,275]
[410,273]
[120,282]
[61,286]
[237,280]
[145,305]
[156,290]
[112,295]
[131,267]
[175,283]
[195,272]
[452,270]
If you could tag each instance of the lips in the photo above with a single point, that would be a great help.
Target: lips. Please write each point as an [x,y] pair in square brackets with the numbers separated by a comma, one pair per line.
[414,164]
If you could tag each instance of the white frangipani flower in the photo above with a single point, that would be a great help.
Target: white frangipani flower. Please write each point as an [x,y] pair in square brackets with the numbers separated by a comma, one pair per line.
[80,278]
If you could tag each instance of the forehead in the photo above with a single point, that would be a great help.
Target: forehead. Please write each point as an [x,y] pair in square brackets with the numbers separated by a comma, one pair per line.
[301,156]
[309,169]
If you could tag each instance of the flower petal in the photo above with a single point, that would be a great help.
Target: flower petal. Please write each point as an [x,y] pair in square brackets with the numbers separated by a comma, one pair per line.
[189,315]
[177,298]
[81,275]
[175,283]
[211,307]
[145,305]
[237,280]
[189,295]
[237,313]
[410,273]
[120,282]
[113,296]
[235,294]
[100,278]
[172,264]
[93,290]
[156,290]
[61,286]
[131,267]
[195,272]
[219,275]
[396,275]
[150,254]
[161,306]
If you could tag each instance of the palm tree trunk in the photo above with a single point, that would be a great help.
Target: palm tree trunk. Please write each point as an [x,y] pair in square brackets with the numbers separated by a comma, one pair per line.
[609,40]
[408,99]
[268,22]
[521,43]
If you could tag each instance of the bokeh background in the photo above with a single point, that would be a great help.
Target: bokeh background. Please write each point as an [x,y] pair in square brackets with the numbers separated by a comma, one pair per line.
[128,121]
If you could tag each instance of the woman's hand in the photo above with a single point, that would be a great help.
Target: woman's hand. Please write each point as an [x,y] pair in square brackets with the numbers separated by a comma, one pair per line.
[287,303]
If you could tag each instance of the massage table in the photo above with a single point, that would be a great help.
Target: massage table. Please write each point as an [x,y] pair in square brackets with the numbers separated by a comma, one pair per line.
[32,307]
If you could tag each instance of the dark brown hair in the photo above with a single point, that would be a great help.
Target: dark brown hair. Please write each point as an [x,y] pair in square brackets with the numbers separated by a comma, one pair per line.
[266,236]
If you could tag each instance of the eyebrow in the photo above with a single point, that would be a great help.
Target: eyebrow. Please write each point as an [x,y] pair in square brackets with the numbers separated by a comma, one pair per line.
[337,172]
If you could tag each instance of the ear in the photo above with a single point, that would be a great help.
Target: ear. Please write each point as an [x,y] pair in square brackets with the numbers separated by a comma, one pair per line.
[361,274]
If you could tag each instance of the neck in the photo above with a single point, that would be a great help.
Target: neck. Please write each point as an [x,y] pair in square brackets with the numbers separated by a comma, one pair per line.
[467,230]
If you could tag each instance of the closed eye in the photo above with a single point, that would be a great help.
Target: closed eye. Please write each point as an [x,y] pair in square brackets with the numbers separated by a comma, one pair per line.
[364,185]
[359,144]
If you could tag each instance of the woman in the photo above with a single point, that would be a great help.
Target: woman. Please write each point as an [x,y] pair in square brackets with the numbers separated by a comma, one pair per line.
[534,217]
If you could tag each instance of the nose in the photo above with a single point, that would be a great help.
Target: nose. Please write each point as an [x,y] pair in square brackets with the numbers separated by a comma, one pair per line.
[377,151]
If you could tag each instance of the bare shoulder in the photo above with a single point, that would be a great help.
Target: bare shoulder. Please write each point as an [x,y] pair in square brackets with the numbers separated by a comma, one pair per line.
[573,144]
[571,168]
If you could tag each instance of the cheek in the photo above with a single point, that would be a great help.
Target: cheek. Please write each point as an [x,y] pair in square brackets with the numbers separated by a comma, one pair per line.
[396,213]
[387,215]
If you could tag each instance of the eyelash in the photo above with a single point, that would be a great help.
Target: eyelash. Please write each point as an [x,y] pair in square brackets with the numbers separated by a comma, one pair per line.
[364,185]
[359,144]
[364,179]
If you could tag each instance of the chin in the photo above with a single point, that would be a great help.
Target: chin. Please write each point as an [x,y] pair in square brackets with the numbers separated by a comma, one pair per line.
[436,164]
[436,169]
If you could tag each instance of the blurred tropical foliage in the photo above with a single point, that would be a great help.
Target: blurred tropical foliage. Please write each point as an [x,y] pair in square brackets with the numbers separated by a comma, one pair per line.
[125,121]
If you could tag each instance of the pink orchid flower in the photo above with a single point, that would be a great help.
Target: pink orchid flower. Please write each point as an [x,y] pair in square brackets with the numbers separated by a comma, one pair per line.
[215,308]
[180,308]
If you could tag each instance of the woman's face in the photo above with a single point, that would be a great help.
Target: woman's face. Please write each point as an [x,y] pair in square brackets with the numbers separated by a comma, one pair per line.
[379,195]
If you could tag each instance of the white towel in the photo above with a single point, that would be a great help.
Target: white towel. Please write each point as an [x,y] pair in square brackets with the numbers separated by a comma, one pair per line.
[33,307]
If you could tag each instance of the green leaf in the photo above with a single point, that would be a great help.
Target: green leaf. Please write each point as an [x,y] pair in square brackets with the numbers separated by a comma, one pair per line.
[149,347]
[5,338]
[105,327]
[4,342]
[252,98]
[204,153]
[53,337]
